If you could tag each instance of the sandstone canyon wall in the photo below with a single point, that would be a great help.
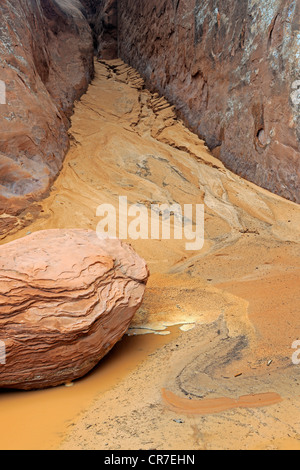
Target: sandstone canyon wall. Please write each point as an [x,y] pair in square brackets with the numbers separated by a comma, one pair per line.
[46,63]
[232,69]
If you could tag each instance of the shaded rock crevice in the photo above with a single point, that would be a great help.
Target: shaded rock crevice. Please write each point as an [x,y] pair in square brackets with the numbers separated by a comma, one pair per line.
[64,303]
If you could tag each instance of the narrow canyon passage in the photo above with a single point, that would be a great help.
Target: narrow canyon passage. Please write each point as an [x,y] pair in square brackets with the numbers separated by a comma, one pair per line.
[234,300]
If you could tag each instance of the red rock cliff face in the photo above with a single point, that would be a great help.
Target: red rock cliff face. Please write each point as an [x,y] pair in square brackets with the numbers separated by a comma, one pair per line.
[233,70]
[46,63]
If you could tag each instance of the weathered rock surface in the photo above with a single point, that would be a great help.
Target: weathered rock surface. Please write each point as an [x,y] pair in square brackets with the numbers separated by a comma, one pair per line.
[232,69]
[65,301]
[103,19]
[107,30]
[46,63]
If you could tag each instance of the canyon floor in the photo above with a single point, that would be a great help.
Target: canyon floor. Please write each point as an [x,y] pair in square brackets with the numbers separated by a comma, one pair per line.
[208,360]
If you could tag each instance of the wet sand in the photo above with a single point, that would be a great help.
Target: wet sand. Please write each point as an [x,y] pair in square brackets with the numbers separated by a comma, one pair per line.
[238,296]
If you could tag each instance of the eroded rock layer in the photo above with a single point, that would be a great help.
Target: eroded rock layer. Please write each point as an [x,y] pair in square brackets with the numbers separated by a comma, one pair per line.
[232,69]
[46,63]
[64,302]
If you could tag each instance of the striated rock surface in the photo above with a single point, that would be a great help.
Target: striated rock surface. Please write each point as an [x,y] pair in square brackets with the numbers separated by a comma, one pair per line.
[64,302]
[232,69]
[46,63]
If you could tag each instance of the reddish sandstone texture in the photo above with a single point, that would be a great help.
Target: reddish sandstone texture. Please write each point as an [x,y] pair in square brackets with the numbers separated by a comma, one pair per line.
[64,303]
[106,29]
[46,63]
[232,69]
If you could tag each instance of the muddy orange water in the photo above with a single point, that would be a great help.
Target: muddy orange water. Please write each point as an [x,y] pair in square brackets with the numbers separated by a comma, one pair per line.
[237,299]
[39,419]
[216,405]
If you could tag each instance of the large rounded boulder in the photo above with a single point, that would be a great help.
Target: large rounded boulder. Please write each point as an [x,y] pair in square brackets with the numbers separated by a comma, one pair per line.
[66,298]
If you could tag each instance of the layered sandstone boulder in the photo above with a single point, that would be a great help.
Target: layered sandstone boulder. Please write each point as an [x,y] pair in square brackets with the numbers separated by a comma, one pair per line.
[66,298]
[46,63]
